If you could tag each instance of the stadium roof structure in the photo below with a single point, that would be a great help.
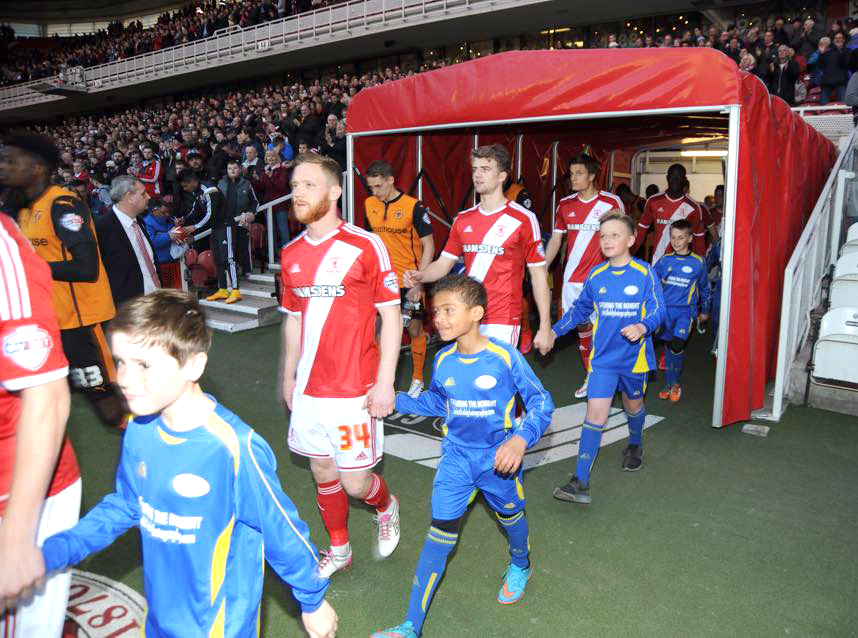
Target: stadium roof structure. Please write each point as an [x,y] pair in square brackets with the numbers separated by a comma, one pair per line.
[630,99]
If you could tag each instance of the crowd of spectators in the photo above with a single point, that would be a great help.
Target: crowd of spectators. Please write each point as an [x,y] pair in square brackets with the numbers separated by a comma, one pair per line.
[262,128]
[797,60]
[29,59]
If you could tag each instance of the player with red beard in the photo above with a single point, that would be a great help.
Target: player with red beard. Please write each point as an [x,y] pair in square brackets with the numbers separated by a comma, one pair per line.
[337,381]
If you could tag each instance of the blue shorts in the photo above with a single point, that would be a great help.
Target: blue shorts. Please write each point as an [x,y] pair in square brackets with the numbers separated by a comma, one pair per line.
[463,470]
[603,384]
[677,324]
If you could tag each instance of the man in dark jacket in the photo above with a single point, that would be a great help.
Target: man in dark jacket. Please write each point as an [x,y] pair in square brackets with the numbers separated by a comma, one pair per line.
[783,74]
[233,239]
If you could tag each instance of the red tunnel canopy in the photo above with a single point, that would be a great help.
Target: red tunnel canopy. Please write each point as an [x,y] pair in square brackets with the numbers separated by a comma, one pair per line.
[783,162]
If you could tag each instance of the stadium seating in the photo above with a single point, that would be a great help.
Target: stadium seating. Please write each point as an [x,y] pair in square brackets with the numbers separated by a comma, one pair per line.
[851,245]
[844,285]
[836,350]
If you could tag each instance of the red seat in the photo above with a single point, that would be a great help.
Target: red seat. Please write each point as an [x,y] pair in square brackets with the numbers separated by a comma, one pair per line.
[206,260]
[191,257]
[199,276]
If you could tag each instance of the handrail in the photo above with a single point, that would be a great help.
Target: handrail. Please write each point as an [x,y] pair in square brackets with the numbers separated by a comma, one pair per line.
[278,34]
[811,259]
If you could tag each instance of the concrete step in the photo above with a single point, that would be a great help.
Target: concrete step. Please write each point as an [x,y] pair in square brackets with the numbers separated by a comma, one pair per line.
[249,305]
[263,278]
[260,289]
[229,321]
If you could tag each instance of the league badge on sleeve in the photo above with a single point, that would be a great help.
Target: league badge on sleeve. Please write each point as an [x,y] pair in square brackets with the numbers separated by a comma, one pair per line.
[72,222]
[28,347]
[391,282]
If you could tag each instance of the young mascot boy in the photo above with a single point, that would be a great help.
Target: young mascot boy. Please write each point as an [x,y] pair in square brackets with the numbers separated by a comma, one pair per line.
[627,302]
[474,384]
[685,281]
[200,484]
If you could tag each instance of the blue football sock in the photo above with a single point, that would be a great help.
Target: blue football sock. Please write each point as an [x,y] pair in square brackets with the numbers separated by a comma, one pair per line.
[636,423]
[588,448]
[517,534]
[670,374]
[430,568]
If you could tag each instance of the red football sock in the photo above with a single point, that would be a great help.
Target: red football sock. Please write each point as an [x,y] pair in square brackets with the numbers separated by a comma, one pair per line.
[334,505]
[378,495]
[585,345]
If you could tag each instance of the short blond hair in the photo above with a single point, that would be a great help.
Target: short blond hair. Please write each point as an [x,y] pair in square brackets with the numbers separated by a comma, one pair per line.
[330,167]
[167,318]
[616,215]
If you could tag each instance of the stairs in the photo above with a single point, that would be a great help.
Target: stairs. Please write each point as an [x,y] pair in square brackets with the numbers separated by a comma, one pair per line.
[258,306]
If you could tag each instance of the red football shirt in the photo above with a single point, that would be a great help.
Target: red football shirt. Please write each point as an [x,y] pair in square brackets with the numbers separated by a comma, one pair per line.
[496,246]
[662,210]
[335,285]
[579,221]
[31,353]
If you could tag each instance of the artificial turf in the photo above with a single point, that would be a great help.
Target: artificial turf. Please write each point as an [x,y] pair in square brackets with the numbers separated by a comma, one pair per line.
[720,534]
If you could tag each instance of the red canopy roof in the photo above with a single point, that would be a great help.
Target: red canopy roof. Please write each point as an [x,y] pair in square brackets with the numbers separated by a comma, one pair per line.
[527,84]
[783,162]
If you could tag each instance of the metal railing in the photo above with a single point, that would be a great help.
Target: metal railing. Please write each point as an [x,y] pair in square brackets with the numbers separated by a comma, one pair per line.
[268,209]
[811,260]
[229,45]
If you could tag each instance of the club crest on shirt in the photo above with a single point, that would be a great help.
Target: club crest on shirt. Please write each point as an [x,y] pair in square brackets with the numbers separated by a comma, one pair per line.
[687,269]
[398,214]
[485,382]
[500,230]
[631,290]
[28,346]
[334,264]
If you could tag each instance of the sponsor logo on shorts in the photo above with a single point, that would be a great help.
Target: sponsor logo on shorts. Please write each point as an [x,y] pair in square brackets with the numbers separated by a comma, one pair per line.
[631,290]
[71,221]
[361,457]
[99,607]
[483,248]
[28,346]
[485,382]
[391,282]
[319,291]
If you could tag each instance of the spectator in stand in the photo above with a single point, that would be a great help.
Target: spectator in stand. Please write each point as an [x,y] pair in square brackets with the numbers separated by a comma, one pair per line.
[832,65]
[164,236]
[335,143]
[779,32]
[249,165]
[805,41]
[783,74]
[273,183]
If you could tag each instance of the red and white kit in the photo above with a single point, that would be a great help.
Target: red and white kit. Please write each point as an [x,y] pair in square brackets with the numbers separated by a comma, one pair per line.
[336,285]
[496,246]
[662,210]
[31,354]
[578,219]
[152,176]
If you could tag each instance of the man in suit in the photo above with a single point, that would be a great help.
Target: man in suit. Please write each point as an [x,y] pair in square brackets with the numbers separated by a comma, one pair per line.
[125,249]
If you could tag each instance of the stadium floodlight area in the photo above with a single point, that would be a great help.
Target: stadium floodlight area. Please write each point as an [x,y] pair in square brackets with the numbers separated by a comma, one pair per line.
[625,99]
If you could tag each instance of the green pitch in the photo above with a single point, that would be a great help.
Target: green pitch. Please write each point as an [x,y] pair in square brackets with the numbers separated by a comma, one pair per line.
[721,533]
